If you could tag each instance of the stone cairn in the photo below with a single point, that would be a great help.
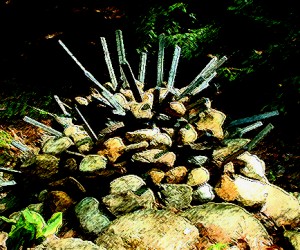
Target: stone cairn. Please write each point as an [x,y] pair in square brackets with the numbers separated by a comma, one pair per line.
[166,153]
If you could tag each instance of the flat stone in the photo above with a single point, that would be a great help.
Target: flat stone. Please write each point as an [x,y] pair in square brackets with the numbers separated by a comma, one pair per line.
[149,229]
[176,109]
[156,176]
[92,163]
[80,137]
[56,146]
[70,185]
[126,183]
[142,135]
[122,203]
[254,167]
[246,191]
[43,166]
[283,208]
[227,223]
[139,146]
[231,146]
[156,157]
[161,141]
[58,201]
[143,110]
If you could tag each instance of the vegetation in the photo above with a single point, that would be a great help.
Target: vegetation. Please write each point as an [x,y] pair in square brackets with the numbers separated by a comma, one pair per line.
[30,227]
[218,246]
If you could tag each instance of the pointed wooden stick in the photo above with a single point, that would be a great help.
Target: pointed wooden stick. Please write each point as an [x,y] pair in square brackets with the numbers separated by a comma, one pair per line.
[253,118]
[131,81]
[173,68]
[42,126]
[253,143]
[86,123]
[142,67]
[109,63]
[160,60]
[106,94]
[61,105]
[20,146]
[203,78]
[120,47]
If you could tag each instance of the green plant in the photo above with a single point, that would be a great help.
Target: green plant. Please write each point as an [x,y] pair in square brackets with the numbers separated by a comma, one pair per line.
[177,23]
[5,139]
[218,246]
[31,227]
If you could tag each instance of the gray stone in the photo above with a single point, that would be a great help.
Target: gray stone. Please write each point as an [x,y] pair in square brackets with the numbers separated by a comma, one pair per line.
[177,196]
[57,145]
[91,218]
[198,160]
[156,157]
[68,244]
[203,193]
[227,223]
[126,183]
[91,163]
[149,229]
[121,203]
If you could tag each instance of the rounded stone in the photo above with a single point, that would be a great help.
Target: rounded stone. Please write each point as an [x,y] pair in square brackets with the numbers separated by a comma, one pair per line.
[198,176]
[91,163]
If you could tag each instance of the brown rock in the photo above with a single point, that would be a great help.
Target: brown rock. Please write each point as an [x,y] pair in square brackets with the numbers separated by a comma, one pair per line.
[187,134]
[156,176]
[211,121]
[176,109]
[113,149]
[176,175]
[58,201]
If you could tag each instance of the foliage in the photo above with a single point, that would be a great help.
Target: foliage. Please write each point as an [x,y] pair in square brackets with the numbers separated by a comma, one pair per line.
[218,246]
[31,227]
[17,106]
[5,139]
[261,43]
[176,22]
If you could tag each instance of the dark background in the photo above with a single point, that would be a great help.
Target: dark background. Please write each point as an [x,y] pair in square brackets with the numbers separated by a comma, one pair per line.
[32,62]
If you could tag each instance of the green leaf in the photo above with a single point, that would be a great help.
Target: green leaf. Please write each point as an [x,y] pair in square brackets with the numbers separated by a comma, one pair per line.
[11,221]
[53,225]
[33,218]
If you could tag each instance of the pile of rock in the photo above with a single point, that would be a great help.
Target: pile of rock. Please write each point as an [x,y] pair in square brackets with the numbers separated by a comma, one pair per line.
[163,172]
